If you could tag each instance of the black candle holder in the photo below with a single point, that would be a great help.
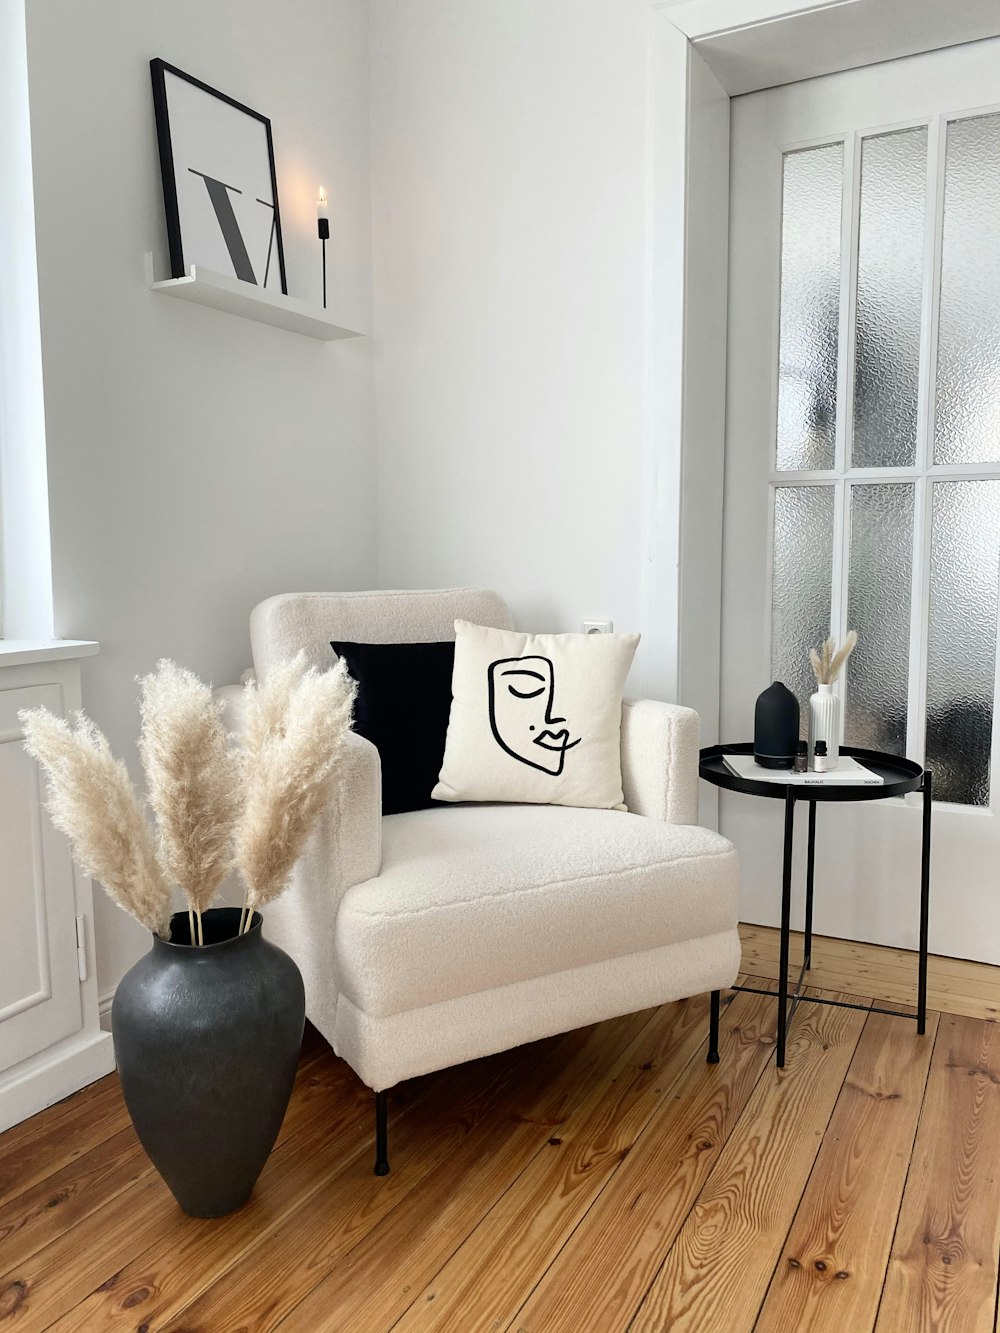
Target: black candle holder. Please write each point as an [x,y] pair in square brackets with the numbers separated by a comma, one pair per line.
[323,231]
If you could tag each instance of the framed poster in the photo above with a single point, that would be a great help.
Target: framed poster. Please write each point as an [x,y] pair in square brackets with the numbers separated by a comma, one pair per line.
[220,191]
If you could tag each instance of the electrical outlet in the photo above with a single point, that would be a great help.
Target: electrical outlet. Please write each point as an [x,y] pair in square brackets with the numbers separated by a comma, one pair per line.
[598,626]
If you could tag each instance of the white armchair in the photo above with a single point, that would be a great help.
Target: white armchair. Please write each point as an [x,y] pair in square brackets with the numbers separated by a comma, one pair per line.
[438,936]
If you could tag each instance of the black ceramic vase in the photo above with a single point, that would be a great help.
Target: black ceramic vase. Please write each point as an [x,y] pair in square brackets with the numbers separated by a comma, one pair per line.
[207,1041]
[776,727]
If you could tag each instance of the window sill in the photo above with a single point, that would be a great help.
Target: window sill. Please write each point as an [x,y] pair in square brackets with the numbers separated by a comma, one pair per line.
[23,652]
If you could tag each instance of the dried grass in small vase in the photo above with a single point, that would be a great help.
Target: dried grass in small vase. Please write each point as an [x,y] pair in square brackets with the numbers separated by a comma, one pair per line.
[828,661]
[824,706]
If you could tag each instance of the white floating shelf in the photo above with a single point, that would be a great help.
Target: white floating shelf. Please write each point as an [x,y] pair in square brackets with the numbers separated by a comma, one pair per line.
[241,298]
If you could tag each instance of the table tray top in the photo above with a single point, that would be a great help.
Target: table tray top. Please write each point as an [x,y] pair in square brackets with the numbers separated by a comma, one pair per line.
[899,776]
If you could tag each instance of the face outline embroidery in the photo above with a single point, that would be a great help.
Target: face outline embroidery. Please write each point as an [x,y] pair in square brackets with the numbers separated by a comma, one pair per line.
[522,716]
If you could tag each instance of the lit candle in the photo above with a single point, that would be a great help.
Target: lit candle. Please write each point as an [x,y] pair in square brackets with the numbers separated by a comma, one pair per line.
[321,206]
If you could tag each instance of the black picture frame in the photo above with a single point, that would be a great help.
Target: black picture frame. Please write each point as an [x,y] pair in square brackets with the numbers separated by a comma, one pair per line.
[181,255]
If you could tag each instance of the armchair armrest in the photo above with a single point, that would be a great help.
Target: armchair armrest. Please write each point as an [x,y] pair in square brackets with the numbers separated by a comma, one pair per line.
[660,760]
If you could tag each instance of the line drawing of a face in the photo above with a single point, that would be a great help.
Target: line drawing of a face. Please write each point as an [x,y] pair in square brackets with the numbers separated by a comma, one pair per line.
[522,716]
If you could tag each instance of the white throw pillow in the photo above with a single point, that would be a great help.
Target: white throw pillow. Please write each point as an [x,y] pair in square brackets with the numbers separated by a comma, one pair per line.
[536,718]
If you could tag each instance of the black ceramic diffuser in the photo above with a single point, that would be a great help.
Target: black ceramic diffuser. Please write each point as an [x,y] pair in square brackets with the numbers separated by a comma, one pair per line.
[776,727]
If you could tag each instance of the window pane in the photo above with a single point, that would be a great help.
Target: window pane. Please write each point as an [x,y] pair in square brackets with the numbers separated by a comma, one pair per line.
[810,307]
[800,590]
[887,314]
[967,427]
[878,607]
[965,567]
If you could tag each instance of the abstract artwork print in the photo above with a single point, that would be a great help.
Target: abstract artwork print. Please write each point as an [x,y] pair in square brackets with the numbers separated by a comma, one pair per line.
[220,191]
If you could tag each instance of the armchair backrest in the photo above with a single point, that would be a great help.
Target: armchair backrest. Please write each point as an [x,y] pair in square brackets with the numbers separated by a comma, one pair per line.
[281,626]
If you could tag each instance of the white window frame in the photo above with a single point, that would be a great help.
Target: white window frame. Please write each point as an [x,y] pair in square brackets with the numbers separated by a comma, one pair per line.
[26,600]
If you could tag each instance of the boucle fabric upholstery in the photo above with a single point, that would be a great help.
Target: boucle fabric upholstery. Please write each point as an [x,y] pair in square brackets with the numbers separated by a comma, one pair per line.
[383,1051]
[307,621]
[476,897]
[423,944]
[660,760]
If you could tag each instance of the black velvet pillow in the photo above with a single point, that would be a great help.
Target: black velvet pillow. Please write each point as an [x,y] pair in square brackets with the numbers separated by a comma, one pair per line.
[402,707]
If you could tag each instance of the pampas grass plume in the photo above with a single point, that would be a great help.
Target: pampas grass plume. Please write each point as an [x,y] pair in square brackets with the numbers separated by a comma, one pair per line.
[192,781]
[216,805]
[92,800]
[828,663]
[296,722]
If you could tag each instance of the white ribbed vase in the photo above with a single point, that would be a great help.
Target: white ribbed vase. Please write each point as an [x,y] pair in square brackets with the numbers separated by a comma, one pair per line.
[824,723]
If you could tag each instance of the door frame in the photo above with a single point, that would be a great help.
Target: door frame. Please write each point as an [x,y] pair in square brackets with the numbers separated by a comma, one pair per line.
[702,53]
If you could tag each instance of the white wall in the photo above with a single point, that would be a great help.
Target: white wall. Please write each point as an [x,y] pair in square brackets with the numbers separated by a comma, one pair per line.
[526,210]
[509,168]
[197,462]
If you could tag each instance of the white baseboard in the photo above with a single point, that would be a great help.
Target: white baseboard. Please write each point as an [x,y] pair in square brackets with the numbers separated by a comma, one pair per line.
[53,1074]
[104,1003]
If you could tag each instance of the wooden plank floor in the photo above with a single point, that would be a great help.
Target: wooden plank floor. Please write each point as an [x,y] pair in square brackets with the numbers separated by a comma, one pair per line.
[954,985]
[607,1179]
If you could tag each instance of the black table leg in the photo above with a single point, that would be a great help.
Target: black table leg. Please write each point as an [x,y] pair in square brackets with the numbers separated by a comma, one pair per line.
[713,1030]
[925,897]
[810,868]
[786,911]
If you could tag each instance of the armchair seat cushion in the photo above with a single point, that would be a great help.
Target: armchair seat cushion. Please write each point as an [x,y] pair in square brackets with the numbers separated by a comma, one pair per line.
[477,897]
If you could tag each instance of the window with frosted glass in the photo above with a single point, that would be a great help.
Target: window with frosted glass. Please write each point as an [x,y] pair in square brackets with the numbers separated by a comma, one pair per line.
[878,607]
[887,313]
[961,657]
[849,553]
[967,392]
[800,589]
[812,188]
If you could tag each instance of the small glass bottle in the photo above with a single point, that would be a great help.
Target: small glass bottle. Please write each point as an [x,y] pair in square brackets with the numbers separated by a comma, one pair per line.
[819,757]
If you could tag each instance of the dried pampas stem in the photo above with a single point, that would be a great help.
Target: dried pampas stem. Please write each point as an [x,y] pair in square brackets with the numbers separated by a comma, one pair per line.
[828,663]
[92,800]
[192,775]
[295,728]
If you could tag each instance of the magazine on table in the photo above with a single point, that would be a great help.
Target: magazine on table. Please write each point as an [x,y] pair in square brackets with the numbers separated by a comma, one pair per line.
[848,773]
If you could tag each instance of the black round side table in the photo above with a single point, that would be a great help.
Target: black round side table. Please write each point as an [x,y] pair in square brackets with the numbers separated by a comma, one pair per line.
[899,776]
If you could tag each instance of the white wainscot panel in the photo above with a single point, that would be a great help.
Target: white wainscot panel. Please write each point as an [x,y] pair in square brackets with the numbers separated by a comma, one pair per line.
[39,982]
[50,1037]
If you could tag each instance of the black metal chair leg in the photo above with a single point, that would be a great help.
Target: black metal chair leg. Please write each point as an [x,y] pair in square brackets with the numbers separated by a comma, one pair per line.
[713,1031]
[381,1133]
